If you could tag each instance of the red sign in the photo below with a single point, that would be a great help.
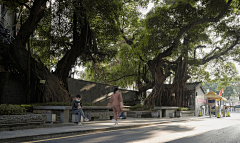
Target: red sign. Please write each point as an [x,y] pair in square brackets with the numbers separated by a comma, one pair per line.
[202,100]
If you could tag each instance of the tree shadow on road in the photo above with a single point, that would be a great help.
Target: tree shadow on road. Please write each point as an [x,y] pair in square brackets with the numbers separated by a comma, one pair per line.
[126,135]
[224,135]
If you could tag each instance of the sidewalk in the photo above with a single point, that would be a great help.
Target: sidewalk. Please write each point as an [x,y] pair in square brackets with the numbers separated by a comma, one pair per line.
[59,130]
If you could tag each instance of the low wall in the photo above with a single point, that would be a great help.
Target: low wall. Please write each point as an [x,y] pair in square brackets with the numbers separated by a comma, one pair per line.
[19,122]
[98,93]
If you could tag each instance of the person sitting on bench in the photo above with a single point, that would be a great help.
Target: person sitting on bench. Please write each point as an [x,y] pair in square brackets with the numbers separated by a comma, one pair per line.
[77,109]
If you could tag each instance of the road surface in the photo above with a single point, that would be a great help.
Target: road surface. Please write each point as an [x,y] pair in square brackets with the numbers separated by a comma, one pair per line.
[206,130]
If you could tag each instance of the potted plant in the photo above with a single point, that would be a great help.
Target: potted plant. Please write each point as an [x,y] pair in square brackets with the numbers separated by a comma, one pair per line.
[154,113]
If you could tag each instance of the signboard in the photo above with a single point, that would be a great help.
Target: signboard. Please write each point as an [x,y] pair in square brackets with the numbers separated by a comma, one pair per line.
[202,100]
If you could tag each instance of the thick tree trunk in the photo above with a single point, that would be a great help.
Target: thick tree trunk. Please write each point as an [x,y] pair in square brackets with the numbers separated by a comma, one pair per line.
[79,47]
[180,79]
[82,42]
[53,89]
[155,98]
[162,94]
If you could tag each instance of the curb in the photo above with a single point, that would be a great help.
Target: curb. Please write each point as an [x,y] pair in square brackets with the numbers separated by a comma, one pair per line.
[71,133]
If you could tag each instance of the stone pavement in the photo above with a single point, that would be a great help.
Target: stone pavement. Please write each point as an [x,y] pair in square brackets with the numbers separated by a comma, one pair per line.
[59,130]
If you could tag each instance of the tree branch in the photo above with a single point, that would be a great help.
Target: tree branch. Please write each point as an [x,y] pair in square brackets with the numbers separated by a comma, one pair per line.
[211,53]
[186,28]
[221,53]
[146,87]
[200,46]
[24,4]
[128,41]
[217,55]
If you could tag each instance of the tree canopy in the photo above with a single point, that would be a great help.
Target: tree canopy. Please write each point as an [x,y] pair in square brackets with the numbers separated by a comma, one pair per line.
[204,35]
[177,41]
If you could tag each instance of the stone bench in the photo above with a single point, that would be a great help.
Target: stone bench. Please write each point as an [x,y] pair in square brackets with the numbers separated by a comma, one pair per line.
[62,112]
[187,113]
[164,111]
[75,118]
[139,114]
[97,113]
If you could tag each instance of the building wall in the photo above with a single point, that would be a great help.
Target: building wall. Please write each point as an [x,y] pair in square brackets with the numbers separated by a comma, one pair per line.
[200,95]
[98,93]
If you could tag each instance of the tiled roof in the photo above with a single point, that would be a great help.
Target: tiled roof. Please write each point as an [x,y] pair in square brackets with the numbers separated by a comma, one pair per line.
[191,86]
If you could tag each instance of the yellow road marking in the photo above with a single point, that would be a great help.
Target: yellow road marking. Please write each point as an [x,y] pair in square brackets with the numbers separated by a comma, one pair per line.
[81,135]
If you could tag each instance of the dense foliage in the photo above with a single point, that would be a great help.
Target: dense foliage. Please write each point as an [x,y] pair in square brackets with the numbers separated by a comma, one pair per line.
[8,109]
[177,41]
[206,43]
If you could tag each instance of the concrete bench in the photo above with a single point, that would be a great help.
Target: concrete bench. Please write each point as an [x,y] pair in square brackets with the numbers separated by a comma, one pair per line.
[94,113]
[164,111]
[75,118]
[62,112]
[139,114]
[187,113]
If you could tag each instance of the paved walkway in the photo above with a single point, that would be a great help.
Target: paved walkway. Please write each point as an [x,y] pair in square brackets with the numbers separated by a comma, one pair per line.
[59,130]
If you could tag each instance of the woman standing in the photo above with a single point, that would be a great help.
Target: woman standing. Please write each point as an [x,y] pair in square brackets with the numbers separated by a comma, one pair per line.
[117,104]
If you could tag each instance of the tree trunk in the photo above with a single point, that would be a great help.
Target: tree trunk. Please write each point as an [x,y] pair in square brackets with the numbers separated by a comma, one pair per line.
[53,89]
[162,93]
[78,48]
[154,99]
[180,79]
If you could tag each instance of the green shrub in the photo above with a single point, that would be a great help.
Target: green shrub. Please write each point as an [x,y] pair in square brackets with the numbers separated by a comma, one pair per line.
[28,107]
[129,104]
[139,107]
[184,109]
[87,104]
[9,109]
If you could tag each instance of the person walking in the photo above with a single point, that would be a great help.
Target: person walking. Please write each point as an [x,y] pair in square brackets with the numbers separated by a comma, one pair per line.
[77,109]
[116,102]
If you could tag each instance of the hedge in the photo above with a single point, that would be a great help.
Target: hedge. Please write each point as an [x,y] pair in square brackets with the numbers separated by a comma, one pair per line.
[139,107]
[9,109]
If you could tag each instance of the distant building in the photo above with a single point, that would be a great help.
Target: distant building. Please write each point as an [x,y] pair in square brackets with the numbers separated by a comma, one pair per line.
[194,97]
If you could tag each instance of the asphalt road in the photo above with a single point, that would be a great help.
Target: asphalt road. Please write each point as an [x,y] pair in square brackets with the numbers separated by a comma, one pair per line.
[208,130]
